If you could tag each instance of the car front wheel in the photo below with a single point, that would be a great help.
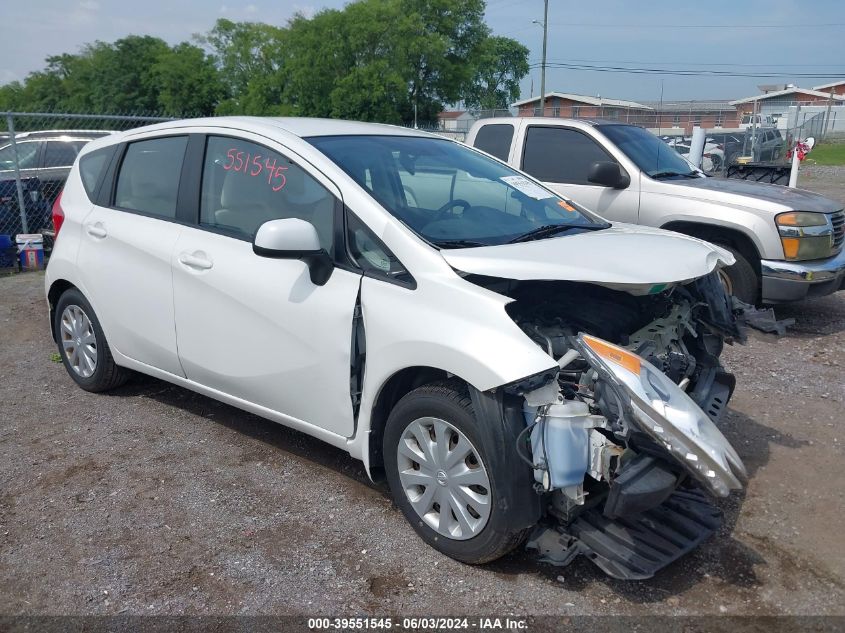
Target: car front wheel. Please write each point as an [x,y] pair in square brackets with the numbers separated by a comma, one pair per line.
[441,477]
[740,279]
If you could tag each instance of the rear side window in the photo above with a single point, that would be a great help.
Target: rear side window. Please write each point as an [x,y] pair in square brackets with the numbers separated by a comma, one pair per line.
[149,176]
[495,139]
[62,153]
[556,154]
[27,155]
[91,168]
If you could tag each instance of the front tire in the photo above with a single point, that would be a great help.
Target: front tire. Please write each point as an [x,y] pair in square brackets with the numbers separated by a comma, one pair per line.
[82,345]
[443,479]
[741,279]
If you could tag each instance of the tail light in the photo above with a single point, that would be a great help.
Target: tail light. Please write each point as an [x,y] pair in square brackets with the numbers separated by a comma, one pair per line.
[58,214]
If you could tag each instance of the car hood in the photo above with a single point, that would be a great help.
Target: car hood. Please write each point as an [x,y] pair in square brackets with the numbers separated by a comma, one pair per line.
[636,259]
[726,189]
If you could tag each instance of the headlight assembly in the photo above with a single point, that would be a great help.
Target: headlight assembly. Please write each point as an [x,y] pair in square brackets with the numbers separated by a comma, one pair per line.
[805,235]
[669,416]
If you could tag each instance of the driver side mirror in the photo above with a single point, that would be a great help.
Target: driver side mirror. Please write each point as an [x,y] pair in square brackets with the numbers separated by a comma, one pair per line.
[292,238]
[608,174]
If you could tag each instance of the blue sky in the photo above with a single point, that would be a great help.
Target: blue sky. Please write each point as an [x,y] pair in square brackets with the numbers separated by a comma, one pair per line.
[676,35]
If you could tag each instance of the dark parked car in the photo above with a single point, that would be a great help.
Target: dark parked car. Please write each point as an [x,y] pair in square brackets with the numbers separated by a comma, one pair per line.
[44,160]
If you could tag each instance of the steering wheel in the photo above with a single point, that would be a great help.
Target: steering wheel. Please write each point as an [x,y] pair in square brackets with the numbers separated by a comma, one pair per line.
[443,211]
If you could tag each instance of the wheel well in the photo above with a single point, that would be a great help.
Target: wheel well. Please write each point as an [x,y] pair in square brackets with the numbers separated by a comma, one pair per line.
[399,384]
[57,289]
[720,234]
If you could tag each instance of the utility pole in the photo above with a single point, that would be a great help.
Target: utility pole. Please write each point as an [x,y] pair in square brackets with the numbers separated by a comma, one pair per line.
[545,25]
[543,65]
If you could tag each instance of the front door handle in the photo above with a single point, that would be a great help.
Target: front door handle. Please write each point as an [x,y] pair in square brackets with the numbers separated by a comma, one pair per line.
[96,230]
[195,260]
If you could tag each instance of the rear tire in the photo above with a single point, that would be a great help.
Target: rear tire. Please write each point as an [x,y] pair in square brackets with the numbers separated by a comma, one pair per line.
[82,345]
[741,279]
[445,408]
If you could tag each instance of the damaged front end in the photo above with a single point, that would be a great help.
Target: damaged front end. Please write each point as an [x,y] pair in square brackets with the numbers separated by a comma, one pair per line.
[623,440]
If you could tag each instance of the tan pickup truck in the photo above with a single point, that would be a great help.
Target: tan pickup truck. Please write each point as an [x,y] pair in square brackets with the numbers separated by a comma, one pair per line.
[788,243]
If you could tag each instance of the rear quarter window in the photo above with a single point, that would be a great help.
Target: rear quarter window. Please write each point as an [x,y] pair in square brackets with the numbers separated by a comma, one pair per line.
[495,139]
[148,180]
[92,167]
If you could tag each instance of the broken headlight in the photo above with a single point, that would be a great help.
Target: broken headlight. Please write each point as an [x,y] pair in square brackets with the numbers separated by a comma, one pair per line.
[669,416]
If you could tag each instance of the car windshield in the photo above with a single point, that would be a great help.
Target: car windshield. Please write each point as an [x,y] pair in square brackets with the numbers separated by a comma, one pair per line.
[453,196]
[649,153]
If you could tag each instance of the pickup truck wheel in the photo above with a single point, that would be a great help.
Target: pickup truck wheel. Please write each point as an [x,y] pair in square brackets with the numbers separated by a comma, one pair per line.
[440,477]
[740,279]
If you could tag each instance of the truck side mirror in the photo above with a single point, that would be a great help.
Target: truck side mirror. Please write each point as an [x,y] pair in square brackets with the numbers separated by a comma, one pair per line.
[608,174]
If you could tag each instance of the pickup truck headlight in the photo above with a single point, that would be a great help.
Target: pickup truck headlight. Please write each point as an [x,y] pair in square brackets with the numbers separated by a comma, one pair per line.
[805,235]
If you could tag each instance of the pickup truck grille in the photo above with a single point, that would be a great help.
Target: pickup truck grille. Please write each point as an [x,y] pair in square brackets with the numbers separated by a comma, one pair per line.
[838,220]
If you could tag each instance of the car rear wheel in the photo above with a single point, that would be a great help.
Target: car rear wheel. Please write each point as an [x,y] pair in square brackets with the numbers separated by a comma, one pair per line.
[82,345]
[740,279]
[441,478]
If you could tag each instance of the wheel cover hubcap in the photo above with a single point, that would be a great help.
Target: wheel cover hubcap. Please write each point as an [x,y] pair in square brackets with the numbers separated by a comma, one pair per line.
[79,343]
[444,478]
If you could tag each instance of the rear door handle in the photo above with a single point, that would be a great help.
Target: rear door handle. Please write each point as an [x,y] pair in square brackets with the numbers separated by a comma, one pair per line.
[195,260]
[96,230]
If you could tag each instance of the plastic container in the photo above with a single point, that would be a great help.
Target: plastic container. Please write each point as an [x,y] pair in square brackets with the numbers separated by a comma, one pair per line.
[31,250]
[562,442]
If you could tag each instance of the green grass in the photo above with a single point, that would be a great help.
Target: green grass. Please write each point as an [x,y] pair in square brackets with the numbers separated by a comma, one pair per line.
[827,154]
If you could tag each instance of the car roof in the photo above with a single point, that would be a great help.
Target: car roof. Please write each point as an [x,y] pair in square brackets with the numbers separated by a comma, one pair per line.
[69,134]
[552,121]
[302,127]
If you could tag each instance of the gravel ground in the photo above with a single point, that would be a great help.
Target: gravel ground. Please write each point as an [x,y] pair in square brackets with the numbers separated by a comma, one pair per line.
[155,500]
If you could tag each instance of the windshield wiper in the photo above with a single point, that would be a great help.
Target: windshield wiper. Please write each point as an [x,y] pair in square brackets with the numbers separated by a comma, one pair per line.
[457,243]
[547,230]
[668,174]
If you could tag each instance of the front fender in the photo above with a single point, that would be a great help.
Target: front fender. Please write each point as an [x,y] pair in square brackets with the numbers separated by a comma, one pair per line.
[661,210]
[449,325]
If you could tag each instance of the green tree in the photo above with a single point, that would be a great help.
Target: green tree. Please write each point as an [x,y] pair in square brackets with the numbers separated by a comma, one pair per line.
[441,41]
[187,81]
[119,77]
[378,59]
[501,64]
[250,58]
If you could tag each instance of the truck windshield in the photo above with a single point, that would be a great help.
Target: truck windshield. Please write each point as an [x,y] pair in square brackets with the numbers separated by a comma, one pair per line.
[452,196]
[648,152]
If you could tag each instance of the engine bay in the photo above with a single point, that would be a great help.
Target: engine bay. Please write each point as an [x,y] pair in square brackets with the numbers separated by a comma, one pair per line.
[627,425]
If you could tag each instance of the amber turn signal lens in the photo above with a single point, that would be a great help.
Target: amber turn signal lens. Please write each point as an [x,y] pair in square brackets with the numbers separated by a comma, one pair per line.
[790,247]
[614,354]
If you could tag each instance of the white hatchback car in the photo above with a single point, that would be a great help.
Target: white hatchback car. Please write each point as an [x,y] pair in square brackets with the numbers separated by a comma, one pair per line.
[508,360]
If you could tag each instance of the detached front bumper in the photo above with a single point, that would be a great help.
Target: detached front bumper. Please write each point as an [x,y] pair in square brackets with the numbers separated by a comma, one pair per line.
[793,281]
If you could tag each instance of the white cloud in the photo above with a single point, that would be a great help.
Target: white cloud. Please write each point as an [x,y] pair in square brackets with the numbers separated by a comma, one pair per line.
[251,8]
[89,5]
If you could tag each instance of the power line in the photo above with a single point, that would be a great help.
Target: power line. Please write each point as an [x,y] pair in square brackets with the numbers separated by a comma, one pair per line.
[840,68]
[682,72]
[697,26]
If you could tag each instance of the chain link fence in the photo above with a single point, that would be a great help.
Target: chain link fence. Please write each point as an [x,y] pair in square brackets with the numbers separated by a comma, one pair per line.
[37,151]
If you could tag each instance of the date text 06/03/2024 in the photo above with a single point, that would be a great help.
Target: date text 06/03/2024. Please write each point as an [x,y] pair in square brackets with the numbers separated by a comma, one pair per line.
[418,624]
